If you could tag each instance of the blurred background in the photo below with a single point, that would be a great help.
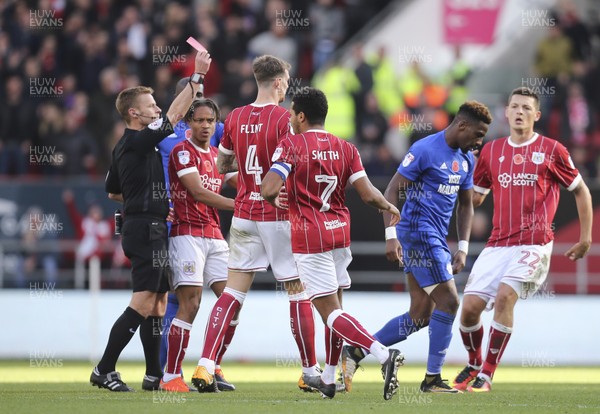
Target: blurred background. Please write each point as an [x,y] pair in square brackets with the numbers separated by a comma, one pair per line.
[393,71]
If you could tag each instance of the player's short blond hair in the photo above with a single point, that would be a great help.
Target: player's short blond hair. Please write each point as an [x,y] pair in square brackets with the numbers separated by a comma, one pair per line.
[127,98]
[475,111]
[267,67]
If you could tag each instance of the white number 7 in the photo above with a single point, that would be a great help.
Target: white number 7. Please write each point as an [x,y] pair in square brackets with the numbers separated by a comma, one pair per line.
[331,181]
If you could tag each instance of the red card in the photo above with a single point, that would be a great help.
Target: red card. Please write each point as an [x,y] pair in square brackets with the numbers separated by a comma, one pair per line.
[195,44]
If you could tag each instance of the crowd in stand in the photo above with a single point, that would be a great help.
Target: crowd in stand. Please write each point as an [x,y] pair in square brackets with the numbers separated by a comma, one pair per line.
[63,63]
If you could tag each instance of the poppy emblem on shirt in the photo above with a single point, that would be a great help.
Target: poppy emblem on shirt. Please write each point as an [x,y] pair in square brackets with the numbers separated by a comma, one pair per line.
[188,133]
[207,166]
[184,157]
[518,159]
[538,157]
[455,166]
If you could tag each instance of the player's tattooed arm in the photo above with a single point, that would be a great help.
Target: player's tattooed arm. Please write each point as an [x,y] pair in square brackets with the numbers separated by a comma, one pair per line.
[226,163]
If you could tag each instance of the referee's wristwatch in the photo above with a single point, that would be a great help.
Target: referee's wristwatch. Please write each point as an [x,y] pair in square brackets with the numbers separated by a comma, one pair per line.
[197,78]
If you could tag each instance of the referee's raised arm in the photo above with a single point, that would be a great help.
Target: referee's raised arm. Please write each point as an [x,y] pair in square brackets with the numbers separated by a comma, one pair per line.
[182,102]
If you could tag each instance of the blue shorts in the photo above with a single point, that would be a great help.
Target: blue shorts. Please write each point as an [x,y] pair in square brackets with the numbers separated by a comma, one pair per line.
[427,256]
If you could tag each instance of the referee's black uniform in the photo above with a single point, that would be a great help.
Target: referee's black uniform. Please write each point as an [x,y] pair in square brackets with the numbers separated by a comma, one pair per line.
[136,172]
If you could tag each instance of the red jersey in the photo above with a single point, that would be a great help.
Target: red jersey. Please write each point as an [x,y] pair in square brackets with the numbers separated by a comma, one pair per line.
[251,133]
[192,217]
[319,166]
[525,183]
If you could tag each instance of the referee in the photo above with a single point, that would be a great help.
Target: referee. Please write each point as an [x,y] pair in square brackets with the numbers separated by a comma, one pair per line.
[136,178]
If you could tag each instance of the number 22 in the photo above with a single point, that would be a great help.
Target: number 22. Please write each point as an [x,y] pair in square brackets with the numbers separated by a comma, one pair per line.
[532,263]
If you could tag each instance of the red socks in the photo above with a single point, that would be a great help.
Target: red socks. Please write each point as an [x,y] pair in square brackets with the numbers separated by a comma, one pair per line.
[472,337]
[302,324]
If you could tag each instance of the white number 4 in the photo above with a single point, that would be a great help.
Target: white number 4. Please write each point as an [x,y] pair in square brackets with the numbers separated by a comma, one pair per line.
[252,166]
[331,181]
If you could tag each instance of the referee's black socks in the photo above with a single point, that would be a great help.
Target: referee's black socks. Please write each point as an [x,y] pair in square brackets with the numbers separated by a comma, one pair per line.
[121,333]
[150,334]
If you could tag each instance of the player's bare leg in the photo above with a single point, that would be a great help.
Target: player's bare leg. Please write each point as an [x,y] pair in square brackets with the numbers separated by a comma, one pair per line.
[223,312]
[471,332]
[500,333]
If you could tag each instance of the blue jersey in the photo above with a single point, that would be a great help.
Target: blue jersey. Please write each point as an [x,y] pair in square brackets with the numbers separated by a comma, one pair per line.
[438,173]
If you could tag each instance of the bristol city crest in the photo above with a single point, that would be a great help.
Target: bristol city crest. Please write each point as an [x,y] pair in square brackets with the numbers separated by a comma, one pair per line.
[538,158]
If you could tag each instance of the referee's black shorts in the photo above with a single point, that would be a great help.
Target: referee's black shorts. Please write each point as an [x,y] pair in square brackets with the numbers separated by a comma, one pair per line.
[145,243]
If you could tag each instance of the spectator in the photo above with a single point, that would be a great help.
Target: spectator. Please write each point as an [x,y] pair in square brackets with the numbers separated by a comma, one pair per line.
[92,230]
[79,147]
[364,74]
[37,228]
[328,30]
[17,127]
[276,42]
[338,83]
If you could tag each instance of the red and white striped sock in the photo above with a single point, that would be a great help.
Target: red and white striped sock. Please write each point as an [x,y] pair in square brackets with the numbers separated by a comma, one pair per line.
[226,340]
[218,322]
[499,337]
[177,342]
[302,323]
[472,337]
[353,332]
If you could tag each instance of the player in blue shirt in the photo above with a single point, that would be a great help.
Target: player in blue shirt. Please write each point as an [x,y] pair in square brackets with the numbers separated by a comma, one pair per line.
[436,171]
[165,147]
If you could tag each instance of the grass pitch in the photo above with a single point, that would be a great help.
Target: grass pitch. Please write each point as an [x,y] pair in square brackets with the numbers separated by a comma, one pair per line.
[58,386]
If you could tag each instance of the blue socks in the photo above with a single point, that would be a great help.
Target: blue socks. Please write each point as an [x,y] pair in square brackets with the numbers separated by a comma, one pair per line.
[440,334]
[396,330]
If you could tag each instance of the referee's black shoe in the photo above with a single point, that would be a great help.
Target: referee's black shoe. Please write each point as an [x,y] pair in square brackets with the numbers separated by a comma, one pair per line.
[111,381]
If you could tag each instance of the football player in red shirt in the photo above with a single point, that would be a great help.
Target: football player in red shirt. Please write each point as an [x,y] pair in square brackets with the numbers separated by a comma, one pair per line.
[260,233]
[197,249]
[319,165]
[524,171]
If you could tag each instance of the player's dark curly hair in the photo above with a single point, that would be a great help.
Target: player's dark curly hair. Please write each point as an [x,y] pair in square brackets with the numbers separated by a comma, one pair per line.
[313,103]
[203,102]
[475,111]
[525,91]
